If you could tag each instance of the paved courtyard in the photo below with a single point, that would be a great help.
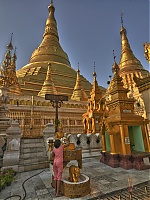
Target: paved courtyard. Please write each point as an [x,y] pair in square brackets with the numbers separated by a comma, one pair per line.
[104,179]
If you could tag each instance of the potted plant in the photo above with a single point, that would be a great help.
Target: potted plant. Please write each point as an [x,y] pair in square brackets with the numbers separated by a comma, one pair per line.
[6,177]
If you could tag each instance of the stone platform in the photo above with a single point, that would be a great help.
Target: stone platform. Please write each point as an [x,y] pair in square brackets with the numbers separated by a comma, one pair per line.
[104,179]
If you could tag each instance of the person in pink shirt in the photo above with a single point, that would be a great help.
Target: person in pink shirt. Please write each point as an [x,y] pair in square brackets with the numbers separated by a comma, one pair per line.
[58,164]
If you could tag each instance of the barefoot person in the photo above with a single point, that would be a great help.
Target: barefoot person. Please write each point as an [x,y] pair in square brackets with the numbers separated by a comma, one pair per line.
[58,164]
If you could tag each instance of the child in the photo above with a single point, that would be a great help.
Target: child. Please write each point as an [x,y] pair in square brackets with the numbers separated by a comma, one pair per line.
[58,164]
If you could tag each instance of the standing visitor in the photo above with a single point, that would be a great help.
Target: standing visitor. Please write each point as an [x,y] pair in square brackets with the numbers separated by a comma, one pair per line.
[58,165]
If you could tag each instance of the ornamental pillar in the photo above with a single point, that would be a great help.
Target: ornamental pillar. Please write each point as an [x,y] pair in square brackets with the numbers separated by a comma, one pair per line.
[122,140]
[112,144]
[103,143]
[144,128]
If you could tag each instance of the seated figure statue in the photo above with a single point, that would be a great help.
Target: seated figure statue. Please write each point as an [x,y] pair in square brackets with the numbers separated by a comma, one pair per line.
[74,173]
[59,134]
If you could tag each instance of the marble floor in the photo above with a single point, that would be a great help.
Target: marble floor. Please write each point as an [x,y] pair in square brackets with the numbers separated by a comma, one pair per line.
[103,179]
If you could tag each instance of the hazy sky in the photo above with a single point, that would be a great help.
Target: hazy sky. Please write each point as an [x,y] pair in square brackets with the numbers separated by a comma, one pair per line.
[88,31]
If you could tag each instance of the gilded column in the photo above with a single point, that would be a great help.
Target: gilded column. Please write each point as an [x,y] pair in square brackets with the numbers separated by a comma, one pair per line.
[112,145]
[122,140]
[147,136]
[103,143]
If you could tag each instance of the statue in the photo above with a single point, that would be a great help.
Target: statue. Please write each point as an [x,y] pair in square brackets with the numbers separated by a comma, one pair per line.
[59,134]
[74,173]
[147,51]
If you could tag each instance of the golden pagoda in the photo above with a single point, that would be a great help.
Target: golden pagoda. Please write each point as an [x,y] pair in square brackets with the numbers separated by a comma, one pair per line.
[32,76]
[49,71]
[48,86]
[125,139]
[8,76]
[96,107]
[78,92]
[129,66]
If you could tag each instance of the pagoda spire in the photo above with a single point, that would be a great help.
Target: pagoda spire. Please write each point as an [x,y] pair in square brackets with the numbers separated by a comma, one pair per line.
[116,89]
[95,108]
[10,46]
[78,92]
[14,85]
[48,86]
[7,58]
[8,70]
[96,92]
[50,49]
[6,64]
[128,62]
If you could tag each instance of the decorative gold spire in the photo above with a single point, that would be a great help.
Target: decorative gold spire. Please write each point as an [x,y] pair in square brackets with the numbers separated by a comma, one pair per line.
[93,115]
[48,86]
[7,58]
[8,70]
[50,49]
[78,92]
[15,87]
[10,46]
[96,92]
[128,61]
[117,90]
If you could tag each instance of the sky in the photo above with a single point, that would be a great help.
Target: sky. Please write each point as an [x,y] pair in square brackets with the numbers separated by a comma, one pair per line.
[89,30]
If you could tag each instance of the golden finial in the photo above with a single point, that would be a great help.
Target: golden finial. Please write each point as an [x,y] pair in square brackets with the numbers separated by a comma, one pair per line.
[78,70]
[10,46]
[115,67]
[11,37]
[51,8]
[114,56]
[94,73]
[14,56]
[121,19]
[122,27]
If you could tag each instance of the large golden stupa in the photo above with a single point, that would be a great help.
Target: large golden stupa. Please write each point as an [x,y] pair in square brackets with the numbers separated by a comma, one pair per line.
[32,76]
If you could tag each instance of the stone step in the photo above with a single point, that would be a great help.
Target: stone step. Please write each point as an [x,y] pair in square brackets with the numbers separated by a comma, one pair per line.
[33,160]
[33,166]
[32,154]
[32,150]
[91,153]
[29,145]
[32,140]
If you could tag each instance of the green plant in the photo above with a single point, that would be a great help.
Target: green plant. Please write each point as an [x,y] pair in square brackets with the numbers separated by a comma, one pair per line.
[2,182]
[6,177]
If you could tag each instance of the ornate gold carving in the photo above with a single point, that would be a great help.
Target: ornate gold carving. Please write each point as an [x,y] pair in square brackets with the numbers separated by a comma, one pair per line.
[78,92]
[74,173]
[147,51]
[60,133]
[73,154]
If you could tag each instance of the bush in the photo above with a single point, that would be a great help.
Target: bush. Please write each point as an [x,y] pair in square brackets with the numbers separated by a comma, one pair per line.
[6,177]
